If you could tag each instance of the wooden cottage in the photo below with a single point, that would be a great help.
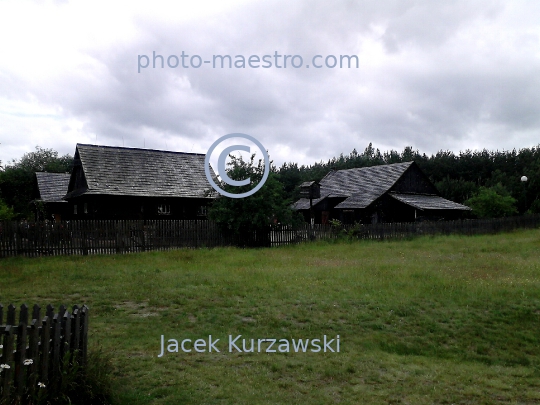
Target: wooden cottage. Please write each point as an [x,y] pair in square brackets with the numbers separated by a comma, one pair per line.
[49,190]
[398,192]
[130,183]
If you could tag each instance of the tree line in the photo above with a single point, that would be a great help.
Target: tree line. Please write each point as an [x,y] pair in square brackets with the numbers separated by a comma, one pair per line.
[489,181]
[17,180]
[467,177]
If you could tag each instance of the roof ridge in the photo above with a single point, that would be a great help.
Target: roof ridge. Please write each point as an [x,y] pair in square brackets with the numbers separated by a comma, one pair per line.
[370,167]
[58,173]
[410,193]
[143,149]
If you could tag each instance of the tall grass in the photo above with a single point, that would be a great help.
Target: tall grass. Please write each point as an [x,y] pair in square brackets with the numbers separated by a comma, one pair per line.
[431,320]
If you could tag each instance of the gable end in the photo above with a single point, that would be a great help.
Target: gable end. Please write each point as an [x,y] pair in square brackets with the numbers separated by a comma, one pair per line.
[414,181]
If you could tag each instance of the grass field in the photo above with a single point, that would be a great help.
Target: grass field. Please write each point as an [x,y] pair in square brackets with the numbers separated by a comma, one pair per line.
[445,320]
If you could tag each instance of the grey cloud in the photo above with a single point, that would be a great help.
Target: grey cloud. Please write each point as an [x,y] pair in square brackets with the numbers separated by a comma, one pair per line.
[434,86]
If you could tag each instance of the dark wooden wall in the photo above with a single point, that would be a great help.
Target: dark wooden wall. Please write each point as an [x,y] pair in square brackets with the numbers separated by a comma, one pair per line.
[133,208]
[414,181]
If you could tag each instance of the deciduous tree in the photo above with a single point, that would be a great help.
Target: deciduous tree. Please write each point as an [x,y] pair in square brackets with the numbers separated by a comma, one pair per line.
[257,212]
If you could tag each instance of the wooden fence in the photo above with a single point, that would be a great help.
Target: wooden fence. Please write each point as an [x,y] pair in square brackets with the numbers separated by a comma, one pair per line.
[86,237]
[34,351]
[463,227]
[107,237]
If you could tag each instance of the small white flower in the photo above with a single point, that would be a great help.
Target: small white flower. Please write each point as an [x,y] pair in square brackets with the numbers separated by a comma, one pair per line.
[41,385]
[27,362]
[4,366]
[1,346]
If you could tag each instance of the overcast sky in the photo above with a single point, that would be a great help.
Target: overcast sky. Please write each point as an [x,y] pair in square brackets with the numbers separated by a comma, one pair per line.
[434,75]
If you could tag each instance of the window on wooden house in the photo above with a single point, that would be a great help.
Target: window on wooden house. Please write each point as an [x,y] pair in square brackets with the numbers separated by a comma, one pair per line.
[164,209]
[86,208]
[202,211]
[75,209]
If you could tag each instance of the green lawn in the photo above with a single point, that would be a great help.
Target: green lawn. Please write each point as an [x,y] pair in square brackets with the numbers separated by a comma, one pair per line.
[446,320]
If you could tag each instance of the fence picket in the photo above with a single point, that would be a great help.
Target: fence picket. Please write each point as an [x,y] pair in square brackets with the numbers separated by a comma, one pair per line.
[55,346]
[20,352]
[11,315]
[35,349]
[7,359]
[45,349]
[84,334]
[76,325]
[33,353]
[66,335]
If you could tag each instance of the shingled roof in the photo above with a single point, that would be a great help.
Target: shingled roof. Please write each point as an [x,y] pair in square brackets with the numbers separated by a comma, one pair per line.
[52,187]
[362,185]
[140,172]
[428,202]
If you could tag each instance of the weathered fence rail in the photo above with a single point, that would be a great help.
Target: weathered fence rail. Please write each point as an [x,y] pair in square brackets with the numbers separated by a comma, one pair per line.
[34,349]
[464,227]
[108,237]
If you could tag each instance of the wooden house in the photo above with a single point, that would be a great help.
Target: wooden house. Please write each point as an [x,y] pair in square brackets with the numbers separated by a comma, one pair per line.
[130,183]
[49,190]
[398,192]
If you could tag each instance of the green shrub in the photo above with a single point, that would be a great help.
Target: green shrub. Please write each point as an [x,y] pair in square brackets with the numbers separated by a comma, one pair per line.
[493,202]
[6,212]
